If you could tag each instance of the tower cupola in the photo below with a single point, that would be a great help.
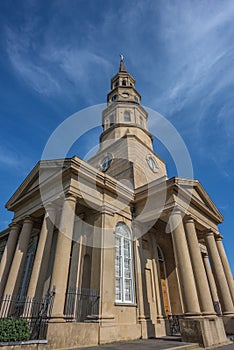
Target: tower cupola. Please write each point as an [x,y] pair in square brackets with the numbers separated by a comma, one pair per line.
[123,86]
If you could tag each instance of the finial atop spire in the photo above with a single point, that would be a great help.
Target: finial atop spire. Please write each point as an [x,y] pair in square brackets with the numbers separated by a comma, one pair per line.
[122,67]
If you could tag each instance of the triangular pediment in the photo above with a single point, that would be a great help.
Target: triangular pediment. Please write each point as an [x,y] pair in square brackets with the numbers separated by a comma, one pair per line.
[42,170]
[199,197]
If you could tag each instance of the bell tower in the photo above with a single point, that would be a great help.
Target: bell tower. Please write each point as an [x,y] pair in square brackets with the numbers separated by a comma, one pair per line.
[126,149]
[124,112]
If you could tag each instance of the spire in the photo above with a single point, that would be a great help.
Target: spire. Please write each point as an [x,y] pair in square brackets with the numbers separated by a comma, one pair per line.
[122,67]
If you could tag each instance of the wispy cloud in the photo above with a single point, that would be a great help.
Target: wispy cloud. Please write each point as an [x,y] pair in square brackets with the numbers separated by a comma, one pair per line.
[199,41]
[10,158]
[50,68]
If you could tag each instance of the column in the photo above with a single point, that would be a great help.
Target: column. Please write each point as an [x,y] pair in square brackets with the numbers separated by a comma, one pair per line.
[226,266]
[219,276]
[8,255]
[60,272]
[200,277]
[210,277]
[17,266]
[185,271]
[41,261]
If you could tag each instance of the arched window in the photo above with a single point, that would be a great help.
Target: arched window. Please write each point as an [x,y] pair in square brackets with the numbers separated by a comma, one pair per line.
[124,83]
[127,116]
[123,264]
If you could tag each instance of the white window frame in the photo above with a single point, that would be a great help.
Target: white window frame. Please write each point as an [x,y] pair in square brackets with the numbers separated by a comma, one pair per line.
[121,270]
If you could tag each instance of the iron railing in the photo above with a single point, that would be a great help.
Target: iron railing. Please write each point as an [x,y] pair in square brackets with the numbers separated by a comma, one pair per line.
[81,304]
[217,308]
[174,324]
[36,312]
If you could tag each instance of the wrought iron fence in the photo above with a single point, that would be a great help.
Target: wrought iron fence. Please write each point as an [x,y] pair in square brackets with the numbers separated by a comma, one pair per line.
[174,324]
[81,304]
[35,312]
[217,308]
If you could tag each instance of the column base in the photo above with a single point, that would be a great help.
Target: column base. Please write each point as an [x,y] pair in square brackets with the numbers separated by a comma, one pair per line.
[107,320]
[162,326]
[207,331]
[148,328]
[209,314]
[57,318]
[192,314]
[228,321]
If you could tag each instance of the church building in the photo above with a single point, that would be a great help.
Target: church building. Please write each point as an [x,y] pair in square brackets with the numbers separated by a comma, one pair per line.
[126,252]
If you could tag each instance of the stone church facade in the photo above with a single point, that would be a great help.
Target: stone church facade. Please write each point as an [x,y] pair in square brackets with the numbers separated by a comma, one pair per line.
[127,250]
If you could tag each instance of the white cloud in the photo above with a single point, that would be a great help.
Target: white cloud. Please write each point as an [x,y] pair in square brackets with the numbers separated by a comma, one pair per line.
[51,69]
[11,158]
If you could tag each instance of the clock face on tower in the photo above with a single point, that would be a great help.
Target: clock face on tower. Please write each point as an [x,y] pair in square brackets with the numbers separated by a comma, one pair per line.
[152,163]
[125,94]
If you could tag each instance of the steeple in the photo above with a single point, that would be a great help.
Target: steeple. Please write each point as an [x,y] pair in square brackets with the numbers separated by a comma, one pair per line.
[124,112]
[122,67]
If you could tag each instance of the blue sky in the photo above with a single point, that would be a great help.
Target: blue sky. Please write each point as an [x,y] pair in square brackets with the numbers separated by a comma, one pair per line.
[58,56]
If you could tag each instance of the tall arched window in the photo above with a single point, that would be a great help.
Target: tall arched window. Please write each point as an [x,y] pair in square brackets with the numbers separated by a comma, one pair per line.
[123,264]
[127,116]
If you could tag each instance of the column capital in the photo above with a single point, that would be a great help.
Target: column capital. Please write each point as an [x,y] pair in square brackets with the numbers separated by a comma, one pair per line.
[14,224]
[219,238]
[209,232]
[176,210]
[70,197]
[28,219]
[189,219]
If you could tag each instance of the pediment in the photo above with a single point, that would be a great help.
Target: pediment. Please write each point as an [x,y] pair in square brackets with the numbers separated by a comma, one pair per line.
[199,197]
[42,171]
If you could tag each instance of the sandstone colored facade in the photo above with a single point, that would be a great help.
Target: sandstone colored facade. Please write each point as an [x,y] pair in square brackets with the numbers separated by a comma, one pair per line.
[143,249]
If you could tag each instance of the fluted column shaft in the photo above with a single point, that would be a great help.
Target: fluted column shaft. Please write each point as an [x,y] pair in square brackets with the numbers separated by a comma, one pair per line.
[8,255]
[17,266]
[41,260]
[219,276]
[226,266]
[202,285]
[185,271]
[62,255]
